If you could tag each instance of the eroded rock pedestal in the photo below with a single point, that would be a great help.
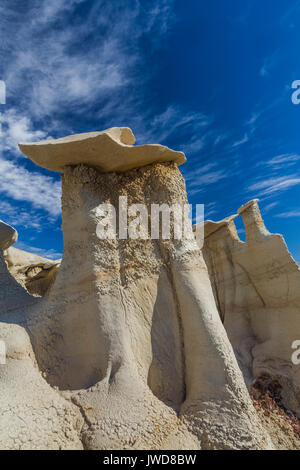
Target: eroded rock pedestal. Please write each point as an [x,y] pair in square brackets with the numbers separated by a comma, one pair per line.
[129,336]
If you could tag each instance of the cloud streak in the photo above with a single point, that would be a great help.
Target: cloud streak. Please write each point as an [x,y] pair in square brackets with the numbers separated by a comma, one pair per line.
[21,218]
[53,73]
[42,192]
[17,128]
[284,160]
[289,214]
[273,185]
[199,179]
[44,253]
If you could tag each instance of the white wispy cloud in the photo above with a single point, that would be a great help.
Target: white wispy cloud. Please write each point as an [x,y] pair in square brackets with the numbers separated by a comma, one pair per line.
[41,191]
[273,185]
[209,177]
[219,138]
[44,253]
[208,174]
[174,121]
[54,71]
[20,217]
[240,142]
[201,170]
[17,128]
[210,209]
[284,160]
[253,119]
[289,214]
[268,207]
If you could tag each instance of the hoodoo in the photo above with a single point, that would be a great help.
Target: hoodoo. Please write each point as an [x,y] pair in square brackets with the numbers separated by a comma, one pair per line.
[127,348]
[127,328]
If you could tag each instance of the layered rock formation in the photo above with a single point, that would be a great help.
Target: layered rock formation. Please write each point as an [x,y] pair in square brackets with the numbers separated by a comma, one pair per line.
[127,350]
[256,286]
[33,272]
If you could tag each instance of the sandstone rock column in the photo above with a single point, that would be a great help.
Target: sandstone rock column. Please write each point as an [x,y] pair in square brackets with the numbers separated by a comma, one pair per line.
[253,222]
[127,331]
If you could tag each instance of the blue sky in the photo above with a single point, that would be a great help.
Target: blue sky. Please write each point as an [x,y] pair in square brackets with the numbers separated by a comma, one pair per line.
[210,78]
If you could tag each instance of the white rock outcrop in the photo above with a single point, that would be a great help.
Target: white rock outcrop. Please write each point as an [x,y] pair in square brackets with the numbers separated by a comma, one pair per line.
[8,236]
[127,350]
[256,286]
[33,272]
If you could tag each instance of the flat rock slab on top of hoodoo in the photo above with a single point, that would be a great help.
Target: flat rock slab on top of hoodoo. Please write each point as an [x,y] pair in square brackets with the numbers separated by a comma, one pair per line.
[109,150]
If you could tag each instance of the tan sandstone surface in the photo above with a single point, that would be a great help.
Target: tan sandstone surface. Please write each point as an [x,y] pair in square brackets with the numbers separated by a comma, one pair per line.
[33,272]
[126,349]
[256,285]
[109,150]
